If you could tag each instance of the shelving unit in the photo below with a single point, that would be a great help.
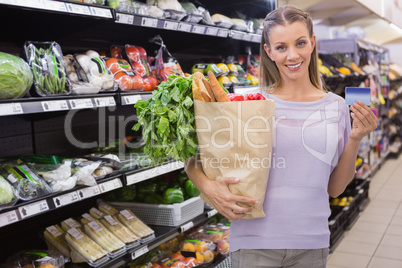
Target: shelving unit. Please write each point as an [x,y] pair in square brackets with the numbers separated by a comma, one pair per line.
[37,125]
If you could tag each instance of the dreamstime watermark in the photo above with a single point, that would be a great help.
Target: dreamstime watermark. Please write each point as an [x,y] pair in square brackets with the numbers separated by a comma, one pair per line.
[228,133]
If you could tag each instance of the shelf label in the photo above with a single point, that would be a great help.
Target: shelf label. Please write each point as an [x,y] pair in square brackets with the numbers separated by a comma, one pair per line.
[49,106]
[198,29]
[65,199]
[212,31]
[33,209]
[100,12]
[236,35]
[186,226]
[10,109]
[212,213]
[110,185]
[78,9]
[89,192]
[223,33]
[88,217]
[124,18]
[132,99]
[256,38]
[150,173]
[148,22]
[184,27]
[105,102]
[247,37]
[97,212]
[8,218]
[139,252]
[170,25]
[56,6]
[81,103]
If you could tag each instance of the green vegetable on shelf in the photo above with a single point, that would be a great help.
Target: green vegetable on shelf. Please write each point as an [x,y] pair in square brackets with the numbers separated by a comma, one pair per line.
[127,193]
[167,121]
[6,191]
[146,188]
[172,196]
[190,189]
[15,76]
[153,199]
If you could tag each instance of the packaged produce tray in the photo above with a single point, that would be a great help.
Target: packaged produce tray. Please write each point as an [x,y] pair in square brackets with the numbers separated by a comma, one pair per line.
[166,215]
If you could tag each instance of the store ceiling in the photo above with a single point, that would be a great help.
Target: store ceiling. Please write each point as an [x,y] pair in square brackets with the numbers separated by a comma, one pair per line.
[349,13]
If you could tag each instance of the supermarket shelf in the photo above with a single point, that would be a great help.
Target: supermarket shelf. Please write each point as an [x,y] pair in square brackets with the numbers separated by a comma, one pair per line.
[54,104]
[53,201]
[131,98]
[96,11]
[162,234]
[174,25]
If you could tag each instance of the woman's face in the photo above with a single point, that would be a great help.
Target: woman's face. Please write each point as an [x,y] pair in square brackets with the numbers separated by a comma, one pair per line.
[290,47]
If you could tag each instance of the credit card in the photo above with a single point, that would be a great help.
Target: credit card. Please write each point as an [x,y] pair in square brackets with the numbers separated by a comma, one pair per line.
[353,94]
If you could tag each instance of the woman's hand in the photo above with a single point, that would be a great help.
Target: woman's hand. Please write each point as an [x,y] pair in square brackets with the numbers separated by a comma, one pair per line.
[364,121]
[224,201]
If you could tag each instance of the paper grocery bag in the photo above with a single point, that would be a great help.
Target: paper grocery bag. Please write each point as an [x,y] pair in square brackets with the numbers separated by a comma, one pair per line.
[235,140]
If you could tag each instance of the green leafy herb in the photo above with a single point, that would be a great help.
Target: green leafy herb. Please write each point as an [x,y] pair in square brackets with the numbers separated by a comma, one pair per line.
[167,120]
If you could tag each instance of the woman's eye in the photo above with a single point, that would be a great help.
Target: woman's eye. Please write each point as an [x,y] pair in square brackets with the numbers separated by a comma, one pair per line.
[280,48]
[301,43]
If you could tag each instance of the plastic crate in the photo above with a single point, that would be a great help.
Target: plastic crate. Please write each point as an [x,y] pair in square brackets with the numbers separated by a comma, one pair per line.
[336,222]
[165,215]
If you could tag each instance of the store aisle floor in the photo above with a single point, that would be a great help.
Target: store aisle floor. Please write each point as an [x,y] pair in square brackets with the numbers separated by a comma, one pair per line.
[375,240]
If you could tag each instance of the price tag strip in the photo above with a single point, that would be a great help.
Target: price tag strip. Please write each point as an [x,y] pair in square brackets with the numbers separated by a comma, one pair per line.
[256,38]
[170,25]
[89,192]
[139,252]
[78,9]
[236,35]
[65,199]
[151,173]
[184,27]
[101,12]
[8,218]
[198,29]
[212,213]
[148,22]
[128,100]
[49,106]
[110,185]
[186,226]
[124,18]
[10,109]
[81,103]
[105,102]
[212,31]
[223,33]
[33,209]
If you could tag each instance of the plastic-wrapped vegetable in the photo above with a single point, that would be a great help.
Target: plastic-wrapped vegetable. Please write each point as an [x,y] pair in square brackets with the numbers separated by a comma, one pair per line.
[222,21]
[7,196]
[36,259]
[15,76]
[27,183]
[47,65]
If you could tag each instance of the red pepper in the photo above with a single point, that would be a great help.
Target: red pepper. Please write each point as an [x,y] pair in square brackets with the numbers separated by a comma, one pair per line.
[258,96]
[249,97]
[235,97]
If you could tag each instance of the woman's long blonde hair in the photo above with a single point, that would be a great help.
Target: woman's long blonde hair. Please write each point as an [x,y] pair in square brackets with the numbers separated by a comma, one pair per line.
[270,78]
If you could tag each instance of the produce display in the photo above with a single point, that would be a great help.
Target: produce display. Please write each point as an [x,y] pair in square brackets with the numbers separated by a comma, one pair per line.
[92,69]
[124,75]
[36,259]
[48,69]
[7,195]
[15,76]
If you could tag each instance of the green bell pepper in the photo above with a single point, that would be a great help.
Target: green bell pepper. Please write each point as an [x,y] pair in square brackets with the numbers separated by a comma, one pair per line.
[173,195]
[190,189]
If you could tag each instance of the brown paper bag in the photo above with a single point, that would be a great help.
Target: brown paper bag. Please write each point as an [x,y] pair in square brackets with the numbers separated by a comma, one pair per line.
[235,140]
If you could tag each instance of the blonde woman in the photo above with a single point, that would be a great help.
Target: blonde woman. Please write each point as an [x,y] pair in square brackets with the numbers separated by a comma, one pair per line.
[318,146]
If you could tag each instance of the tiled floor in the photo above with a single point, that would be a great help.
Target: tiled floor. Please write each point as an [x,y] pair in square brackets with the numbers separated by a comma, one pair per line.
[375,240]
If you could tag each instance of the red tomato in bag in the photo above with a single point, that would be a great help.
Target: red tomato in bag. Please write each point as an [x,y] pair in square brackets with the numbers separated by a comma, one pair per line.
[142,53]
[235,97]
[138,83]
[132,53]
